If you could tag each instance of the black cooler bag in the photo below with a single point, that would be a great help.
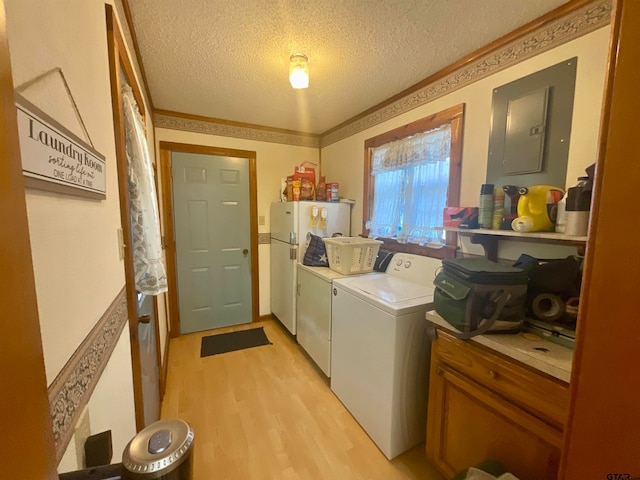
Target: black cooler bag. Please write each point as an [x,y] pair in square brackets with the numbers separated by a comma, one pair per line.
[476,295]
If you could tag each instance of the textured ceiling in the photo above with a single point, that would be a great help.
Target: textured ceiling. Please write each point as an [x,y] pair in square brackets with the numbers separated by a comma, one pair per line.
[229,59]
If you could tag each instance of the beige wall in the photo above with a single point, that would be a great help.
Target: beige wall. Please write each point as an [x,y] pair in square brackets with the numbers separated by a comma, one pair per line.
[273,161]
[75,252]
[343,161]
[76,263]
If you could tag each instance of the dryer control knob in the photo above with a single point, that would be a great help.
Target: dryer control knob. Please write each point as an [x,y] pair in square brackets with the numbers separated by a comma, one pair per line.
[407,264]
[398,262]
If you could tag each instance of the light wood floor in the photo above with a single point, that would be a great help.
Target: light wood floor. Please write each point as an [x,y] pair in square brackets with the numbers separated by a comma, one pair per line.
[268,413]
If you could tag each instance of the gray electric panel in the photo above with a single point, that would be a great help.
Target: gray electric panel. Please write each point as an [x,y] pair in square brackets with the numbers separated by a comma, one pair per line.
[531,128]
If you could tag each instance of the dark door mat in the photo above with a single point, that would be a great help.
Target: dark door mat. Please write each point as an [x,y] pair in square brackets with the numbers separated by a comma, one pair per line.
[230,342]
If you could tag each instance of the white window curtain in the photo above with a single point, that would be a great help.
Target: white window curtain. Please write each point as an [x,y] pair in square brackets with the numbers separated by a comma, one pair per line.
[411,177]
[148,261]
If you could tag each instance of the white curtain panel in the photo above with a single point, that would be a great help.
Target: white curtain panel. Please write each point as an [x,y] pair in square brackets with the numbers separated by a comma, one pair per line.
[388,203]
[148,260]
[411,179]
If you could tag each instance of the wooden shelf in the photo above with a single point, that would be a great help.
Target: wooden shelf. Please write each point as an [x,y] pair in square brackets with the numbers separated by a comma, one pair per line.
[489,238]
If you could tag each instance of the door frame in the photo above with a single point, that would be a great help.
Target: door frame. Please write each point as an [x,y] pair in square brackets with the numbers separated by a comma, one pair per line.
[169,231]
[119,58]
[26,411]
[605,360]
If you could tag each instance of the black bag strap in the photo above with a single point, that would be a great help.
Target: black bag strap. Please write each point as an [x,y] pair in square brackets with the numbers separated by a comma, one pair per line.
[488,323]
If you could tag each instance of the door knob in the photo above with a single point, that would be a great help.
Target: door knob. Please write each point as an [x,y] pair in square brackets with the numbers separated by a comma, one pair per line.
[245,251]
[144,318]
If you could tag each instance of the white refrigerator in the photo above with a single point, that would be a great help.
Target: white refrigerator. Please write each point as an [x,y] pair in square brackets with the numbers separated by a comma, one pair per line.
[290,223]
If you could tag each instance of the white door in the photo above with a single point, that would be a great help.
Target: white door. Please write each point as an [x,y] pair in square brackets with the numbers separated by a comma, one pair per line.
[213,239]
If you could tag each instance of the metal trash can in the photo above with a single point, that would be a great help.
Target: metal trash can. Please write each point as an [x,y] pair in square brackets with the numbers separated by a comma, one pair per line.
[161,451]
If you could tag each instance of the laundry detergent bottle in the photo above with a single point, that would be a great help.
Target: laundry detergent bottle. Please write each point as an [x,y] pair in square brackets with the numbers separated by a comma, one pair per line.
[539,204]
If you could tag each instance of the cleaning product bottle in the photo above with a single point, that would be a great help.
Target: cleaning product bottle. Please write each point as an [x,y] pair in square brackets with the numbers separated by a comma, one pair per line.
[485,210]
[510,213]
[498,209]
[561,215]
[577,208]
[561,218]
[539,204]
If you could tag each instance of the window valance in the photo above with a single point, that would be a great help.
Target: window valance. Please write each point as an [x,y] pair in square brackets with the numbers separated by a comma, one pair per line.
[425,147]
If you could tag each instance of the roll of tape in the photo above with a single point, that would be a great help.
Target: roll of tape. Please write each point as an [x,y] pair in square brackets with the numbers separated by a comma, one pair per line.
[522,224]
[571,306]
[548,307]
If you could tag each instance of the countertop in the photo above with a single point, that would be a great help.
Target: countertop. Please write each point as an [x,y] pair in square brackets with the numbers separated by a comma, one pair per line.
[324,273]
[555,360]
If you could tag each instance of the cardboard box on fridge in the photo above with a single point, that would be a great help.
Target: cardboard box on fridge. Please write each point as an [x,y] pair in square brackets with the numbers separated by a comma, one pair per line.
[306,174]
[461,217]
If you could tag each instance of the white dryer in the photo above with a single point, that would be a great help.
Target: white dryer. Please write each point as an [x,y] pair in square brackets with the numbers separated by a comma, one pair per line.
[313,312]
[380,350]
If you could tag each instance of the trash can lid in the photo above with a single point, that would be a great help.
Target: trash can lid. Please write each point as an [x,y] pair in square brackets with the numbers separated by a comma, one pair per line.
[160,447]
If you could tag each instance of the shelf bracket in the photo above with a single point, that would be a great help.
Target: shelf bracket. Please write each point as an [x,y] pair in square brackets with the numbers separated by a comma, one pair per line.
[489,243]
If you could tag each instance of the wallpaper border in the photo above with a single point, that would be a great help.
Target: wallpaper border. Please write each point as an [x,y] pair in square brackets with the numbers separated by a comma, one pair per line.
[580,22]
[71,390]
[210,127]
[576,24]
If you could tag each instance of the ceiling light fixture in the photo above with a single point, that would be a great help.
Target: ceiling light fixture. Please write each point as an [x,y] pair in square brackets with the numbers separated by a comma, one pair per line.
[298,71]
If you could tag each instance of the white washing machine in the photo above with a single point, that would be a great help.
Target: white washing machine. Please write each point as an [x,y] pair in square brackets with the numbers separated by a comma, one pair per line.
[380,350]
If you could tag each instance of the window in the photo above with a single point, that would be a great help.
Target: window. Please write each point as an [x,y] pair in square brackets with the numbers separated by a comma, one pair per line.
[411,174]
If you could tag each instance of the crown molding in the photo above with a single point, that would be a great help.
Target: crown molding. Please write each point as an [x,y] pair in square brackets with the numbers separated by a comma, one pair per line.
[550,31]
[566,23]
[228,128]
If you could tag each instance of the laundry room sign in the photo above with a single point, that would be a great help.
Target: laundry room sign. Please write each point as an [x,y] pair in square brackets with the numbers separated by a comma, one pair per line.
[55,159]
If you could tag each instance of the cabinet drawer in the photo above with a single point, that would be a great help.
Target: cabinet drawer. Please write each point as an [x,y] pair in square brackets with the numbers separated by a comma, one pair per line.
[543,396]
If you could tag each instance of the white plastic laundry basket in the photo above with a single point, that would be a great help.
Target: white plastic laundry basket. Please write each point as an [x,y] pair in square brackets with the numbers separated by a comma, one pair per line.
[352,255]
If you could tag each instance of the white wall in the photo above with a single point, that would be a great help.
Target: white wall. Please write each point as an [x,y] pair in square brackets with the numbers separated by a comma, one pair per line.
[273,161]
[113,394]
[78,272]
[343,161]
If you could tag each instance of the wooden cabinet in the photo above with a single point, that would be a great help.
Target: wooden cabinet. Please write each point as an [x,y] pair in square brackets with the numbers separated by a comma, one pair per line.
[483,405]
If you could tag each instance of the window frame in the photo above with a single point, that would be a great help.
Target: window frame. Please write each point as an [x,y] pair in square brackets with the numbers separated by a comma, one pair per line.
[455,117]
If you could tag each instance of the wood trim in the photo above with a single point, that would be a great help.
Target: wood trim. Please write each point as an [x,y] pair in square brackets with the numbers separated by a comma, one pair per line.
[601,438]
[206,150]
[253,225]
[165,364]
[168,219]
[27,446]
[418,126]
[134,39]
[455,171]
[448,251]
[202,118]
[117,59]
[453,115]
[161,365]
[170,243]
[125,63]
[156,325]
[468,60]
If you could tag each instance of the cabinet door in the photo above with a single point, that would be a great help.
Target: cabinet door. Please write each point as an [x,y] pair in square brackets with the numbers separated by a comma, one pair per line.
[468,424]
[314,318]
